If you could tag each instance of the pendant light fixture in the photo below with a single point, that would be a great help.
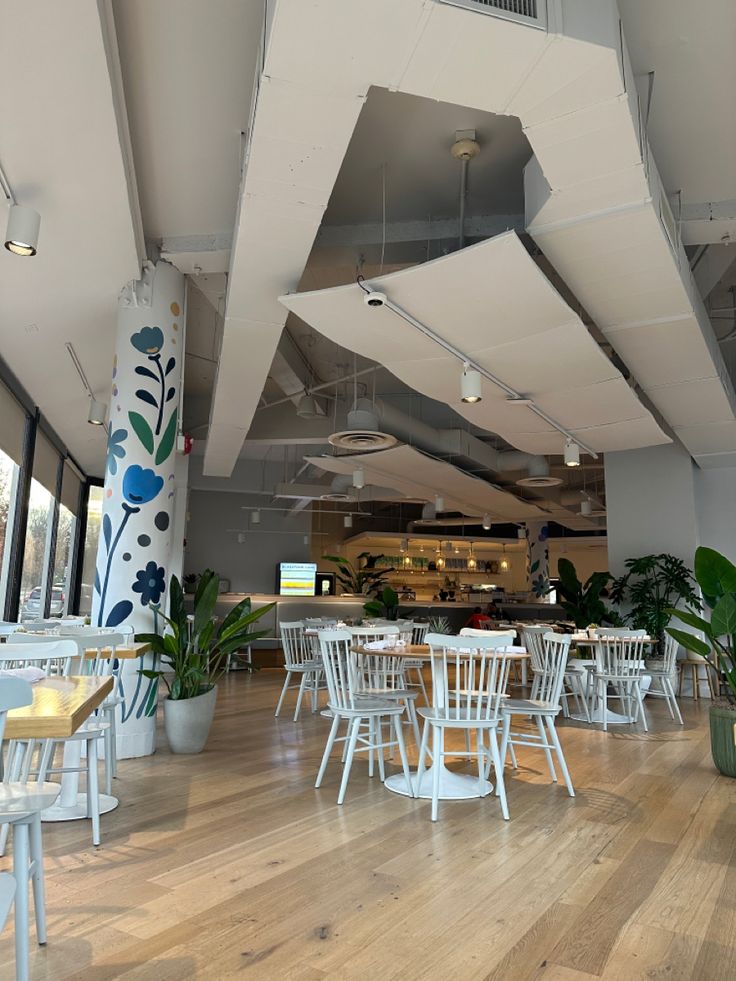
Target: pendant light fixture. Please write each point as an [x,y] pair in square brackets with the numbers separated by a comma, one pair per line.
[472,564]
[521,532]
[572,453]
[487,522]
[439,503]
[307,408]
[504,564]
[586,508]
[255,517]
[404,545]
[359,478]
[21,234]
[348,521]
[470,391]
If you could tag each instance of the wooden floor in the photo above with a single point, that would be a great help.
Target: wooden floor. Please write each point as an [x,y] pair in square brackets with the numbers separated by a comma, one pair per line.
[230,864]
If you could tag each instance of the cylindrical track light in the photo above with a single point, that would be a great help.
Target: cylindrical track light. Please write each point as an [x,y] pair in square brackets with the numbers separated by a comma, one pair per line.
[470,385]
[521,532]
[586,507]
[348,521]
[97,413]
[487,522]
[572,453]
[359,478]
[439,503]
[21,236]
[255,517]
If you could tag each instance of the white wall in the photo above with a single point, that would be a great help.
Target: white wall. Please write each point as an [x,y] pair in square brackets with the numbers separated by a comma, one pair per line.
[650,499]
[587,559]
[715,492]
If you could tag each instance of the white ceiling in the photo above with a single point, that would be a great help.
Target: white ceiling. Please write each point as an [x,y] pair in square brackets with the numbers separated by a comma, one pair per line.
[188,69]
[61,149]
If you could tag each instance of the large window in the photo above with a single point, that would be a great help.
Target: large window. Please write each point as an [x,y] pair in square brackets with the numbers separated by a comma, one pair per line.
[8,487]
[36,553]
[61,584]
[94,519]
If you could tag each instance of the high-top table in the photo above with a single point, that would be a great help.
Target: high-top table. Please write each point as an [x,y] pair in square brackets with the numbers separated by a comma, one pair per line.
[588,665]
[453,786]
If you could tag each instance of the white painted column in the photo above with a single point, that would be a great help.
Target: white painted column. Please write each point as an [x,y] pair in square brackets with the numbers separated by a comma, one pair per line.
[537,563]
[135,546]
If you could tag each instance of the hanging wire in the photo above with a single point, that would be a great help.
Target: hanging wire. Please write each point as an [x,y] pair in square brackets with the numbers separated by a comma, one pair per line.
[383,214]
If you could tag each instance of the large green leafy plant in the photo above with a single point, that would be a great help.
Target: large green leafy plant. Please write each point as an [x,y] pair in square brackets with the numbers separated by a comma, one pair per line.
[716,577]
[582,601]
[196,646]
[651,587]
[386,604]
[360,580]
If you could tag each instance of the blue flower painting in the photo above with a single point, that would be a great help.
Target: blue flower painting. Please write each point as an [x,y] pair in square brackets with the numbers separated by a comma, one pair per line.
[148,340]
[141,485]
[150,583]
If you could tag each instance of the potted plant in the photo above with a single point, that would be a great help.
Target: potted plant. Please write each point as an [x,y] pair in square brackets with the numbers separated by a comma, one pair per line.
[385,605]
[362,580]
[439,625]
[582,602]
[716,577]
[195,647]
[190,582]
[651,587]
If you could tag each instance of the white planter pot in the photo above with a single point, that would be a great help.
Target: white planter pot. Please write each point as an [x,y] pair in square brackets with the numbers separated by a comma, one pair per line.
[187,721]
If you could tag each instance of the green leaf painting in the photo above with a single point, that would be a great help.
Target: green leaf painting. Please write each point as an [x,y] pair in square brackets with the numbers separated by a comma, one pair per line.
[142,430]
[167,440]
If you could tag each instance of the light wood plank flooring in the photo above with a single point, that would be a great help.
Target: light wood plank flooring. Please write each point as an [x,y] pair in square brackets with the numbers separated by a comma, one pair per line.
[230,864]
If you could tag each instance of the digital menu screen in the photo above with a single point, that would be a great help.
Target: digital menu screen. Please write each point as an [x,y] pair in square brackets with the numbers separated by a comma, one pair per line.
[297,578]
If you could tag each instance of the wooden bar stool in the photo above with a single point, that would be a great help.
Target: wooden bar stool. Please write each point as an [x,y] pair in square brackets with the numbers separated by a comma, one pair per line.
[694,664]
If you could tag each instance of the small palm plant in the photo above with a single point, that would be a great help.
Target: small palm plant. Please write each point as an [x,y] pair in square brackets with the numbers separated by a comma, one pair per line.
[359,581]
[439,625]
[195,647]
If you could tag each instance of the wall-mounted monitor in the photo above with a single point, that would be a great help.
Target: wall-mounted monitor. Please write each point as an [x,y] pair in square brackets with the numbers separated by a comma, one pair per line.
[297,578]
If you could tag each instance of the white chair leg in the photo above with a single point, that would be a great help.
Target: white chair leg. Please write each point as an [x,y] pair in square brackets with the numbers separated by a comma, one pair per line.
[422,755]
[422,685]
[313,680]
[300,696]
[412,710]
[21,859]
[37,877]
[328,749]
[671,695]
[93,791]
[498,771]
[354,729]
[371,743]
[283,693]
[398,726]
[547,751]
[560,755]
[603,700]
[113,741]
[379,747]
[108,762]
[438,746]
[640,702]
[481,761]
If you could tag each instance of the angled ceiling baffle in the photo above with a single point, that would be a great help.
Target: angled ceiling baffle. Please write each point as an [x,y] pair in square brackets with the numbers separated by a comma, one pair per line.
[492,302]
[594,200]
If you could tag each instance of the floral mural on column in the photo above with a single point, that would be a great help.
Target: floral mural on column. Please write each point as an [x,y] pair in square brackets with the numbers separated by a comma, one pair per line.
[135,540]
[538,558]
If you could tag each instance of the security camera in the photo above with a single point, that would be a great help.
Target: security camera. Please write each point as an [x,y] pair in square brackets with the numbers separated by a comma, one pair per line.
[375,299]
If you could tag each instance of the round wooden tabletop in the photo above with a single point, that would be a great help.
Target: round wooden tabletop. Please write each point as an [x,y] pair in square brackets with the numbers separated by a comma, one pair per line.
[422,651]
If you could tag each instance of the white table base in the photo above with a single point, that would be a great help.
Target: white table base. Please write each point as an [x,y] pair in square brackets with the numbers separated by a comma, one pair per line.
[78,810]
[453,786]
[612,718]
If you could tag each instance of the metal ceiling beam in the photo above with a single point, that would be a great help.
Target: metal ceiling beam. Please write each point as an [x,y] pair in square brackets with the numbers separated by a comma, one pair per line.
[372,233]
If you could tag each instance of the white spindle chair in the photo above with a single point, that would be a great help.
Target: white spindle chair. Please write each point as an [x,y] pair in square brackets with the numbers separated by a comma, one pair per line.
[619,662]
[543,706]
[21,803]
[54,655]
[348,702]
[469,680]
[415,665]
[299,660]
[664,676]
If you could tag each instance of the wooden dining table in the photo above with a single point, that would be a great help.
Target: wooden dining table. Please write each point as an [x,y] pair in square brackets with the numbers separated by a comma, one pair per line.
[453,786]
[60,705]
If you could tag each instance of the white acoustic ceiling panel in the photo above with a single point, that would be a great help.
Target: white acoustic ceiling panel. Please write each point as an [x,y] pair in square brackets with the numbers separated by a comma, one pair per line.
[421,477]
[493,303]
